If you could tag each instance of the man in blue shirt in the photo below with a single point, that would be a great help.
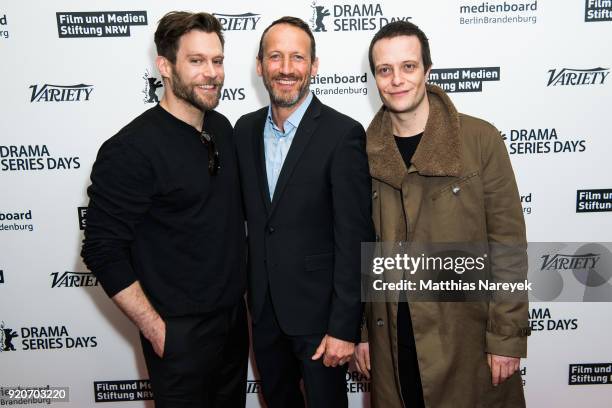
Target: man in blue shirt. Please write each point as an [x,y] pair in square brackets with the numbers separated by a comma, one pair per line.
[306,190]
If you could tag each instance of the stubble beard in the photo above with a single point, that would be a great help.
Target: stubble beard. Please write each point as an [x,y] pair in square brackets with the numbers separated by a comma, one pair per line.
[188,93]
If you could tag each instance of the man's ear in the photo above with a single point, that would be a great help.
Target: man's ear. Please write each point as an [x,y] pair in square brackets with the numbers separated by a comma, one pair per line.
[315,67]
[427,73]
[258,66]
[163,66]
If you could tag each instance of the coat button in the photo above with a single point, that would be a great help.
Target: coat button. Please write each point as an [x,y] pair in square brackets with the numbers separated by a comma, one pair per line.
[271,230]
[380,322]
[377,238]
[374,195]
[456,190]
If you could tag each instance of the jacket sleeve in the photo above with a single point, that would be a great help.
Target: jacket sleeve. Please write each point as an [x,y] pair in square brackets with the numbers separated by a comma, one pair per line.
[507,325]
[351,189]
[119,196]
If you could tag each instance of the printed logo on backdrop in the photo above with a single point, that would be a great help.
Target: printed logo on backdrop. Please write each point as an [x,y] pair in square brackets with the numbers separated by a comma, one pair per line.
[1,276]
[123,390]
[152,84]
[340,84]
[597,200]
[35,158]
[253,387]
[47,337]
[571,272]
[82,213]
[356,382]
[589,374]
[238,22]
[60,93]
[577,77]
[541,141]
[463,79]
[541,319]
[98,23]
[498,12]
[527,203]
[597,10]
[7,335]
[3,23]
[349,17]
[20,220]
[68,279]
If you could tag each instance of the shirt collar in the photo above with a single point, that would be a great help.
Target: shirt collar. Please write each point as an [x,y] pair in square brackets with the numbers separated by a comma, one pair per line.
[293,121]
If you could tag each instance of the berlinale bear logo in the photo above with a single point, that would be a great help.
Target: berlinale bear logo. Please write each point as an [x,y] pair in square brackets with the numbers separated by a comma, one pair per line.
[6,338]
[319,12]
[150,89]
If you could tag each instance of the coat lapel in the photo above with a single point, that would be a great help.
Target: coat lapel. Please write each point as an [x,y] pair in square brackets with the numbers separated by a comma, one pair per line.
[303,134]
[260,159]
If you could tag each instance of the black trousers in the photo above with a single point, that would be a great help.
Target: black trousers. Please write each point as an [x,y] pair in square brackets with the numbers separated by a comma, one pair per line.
[205,361]
[410,377]
[284,360]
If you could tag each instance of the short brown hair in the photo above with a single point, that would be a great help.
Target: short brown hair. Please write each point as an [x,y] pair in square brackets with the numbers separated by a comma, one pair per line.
[293,21]
[396,29]
[175,24]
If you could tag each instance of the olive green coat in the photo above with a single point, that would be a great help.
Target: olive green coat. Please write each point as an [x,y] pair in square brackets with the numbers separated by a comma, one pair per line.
[460,187]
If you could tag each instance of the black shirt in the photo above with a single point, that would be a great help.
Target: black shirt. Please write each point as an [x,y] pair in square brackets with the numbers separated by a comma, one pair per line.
[157,216]
[407,146]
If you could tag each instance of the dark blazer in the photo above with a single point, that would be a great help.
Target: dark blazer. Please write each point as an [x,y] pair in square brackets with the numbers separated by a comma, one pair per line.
[304,244]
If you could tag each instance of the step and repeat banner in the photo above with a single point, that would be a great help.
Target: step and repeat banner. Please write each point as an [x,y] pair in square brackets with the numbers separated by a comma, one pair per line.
[73,73]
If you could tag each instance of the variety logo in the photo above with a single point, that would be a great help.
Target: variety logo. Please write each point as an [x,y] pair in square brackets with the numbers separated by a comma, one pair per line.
[69,279]
[597,10]
[17,221]
[463,79]
[126,390]
[60,93]
[349,17]
[98,23]
[588,374]
[34,158]
[575,77]
[560,262]
[336,84]
[594,200]
[541,320]
[82,212]
[43,338]
[238,22]
[541,141]
[3,23]
[496,12]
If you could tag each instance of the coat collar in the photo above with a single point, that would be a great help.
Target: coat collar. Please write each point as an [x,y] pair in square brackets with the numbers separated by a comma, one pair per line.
[438,153]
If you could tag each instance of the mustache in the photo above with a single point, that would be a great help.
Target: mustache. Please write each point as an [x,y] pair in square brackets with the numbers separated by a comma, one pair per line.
[211,82]
[287,77]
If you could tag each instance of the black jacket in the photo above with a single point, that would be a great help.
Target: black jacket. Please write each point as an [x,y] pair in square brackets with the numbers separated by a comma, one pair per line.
[305,243]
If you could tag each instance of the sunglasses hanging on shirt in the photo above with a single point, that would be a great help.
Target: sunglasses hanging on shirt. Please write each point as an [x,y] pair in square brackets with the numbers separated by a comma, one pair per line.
[213,154]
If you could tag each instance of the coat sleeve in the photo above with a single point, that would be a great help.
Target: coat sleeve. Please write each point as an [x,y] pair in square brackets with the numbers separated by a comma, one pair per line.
[120,194]
[507,325]
[351,189]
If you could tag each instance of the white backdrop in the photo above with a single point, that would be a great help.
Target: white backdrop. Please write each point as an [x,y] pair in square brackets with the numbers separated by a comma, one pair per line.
[547,61]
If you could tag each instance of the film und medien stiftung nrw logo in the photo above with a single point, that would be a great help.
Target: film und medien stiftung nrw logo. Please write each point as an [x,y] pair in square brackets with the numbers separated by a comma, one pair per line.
[60,93]
[43,337]
[589,374]
[463,79]
[122,390]
[540,141]
[238,22]
[98,23]
[594,200]
[597,10]
[499,12]
[349,17]
[577,77]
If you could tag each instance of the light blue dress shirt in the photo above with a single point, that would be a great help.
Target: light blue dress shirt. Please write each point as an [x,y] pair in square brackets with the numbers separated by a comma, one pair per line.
[277,142]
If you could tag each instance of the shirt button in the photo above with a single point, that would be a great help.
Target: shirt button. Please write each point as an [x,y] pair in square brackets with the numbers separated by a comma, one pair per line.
[380,322]
[456,190]
[270,230]
[374,195]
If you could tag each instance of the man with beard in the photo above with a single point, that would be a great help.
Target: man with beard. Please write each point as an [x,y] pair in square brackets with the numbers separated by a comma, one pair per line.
[165,233]
[306,190]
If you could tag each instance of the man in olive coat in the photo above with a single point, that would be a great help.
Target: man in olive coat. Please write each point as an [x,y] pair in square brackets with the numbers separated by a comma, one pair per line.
[440,176]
